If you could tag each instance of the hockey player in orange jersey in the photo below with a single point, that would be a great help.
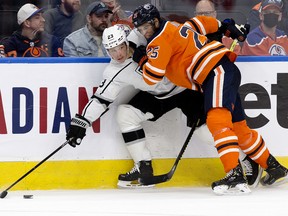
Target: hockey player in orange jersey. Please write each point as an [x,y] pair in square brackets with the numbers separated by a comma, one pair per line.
[189,60]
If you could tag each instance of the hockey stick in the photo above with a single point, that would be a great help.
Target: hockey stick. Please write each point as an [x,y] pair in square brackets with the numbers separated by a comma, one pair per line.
[234,43]
[5,192]
[166,177]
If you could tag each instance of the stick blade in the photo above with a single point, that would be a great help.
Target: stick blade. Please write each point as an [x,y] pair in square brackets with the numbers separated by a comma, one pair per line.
[155,179]
[3,194]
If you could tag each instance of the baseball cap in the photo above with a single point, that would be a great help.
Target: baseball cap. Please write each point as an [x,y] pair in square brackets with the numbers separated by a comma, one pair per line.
[97,8]
[269,3]
[27,11]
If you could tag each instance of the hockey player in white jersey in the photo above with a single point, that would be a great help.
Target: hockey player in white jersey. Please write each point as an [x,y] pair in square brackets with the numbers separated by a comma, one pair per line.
[149,104]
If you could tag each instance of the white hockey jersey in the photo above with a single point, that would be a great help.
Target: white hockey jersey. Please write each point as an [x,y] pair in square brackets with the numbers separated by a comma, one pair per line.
[116,77]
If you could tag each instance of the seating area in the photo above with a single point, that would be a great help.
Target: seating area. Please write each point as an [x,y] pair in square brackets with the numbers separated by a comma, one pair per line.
[170,9]
[238,16]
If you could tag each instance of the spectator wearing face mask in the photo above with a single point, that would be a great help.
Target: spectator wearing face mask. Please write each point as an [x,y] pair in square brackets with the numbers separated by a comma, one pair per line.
[254,21]
[267,39]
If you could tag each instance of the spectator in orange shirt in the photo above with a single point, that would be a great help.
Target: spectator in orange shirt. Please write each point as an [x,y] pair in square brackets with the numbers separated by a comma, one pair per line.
[207,8]
[267,39]
[254,20]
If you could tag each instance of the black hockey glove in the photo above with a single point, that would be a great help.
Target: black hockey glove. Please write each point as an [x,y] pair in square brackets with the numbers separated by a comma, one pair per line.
[216,36]
[230,29]
[77,130]
[140,56]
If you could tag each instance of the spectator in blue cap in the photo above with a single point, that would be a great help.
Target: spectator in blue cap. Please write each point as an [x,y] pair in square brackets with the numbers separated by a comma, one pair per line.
[87,41]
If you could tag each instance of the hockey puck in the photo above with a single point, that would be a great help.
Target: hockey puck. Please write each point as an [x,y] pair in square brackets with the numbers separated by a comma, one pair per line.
[28,196]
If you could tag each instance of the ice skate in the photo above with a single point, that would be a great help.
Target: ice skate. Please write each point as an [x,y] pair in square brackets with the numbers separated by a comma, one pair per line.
[252,171]
[131,179]
[276,173]
[234,183]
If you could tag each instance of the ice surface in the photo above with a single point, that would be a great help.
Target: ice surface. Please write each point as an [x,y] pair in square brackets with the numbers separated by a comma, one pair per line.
[145,202]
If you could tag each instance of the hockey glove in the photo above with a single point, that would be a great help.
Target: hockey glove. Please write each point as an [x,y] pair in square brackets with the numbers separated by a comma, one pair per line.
[216,36]
[77,130]
[140,56]
[230,29]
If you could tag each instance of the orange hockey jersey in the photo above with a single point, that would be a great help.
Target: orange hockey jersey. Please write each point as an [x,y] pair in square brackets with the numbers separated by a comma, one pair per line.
[183,55]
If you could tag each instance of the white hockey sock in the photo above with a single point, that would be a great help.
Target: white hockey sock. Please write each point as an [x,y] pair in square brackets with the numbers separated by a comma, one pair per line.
[139,151]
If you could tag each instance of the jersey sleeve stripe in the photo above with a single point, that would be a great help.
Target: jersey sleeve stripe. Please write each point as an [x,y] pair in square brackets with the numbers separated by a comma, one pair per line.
[205,60]
[153,75]
[200,28]
[204,49]
[194,25]
[201,58]
[152,68]
[205,67]
[149,80]
[203,53]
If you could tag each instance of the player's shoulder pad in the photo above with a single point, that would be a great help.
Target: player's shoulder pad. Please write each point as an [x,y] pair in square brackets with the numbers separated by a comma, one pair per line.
[137,38]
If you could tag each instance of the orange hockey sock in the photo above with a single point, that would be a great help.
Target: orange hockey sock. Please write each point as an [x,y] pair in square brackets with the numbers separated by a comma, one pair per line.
[252,143]
[219,122]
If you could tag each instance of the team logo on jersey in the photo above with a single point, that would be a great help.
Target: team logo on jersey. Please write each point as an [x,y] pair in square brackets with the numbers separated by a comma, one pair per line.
[277,50]
[147,6]
[110,37]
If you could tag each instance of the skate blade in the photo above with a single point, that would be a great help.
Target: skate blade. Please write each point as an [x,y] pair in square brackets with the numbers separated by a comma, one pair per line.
[240,189]
[280,181]
[132,185]
[257,181]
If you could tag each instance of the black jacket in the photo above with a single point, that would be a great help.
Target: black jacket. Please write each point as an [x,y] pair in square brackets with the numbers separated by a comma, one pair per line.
[43,45]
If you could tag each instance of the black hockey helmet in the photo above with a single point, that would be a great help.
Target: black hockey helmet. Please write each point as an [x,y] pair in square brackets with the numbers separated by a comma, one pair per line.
[145,13]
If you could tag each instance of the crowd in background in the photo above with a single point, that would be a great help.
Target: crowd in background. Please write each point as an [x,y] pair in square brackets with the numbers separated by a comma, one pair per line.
[74,27]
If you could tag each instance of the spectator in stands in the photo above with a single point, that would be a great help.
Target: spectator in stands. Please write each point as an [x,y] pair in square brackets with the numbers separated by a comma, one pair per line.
[64,19]
[31,40]
[207,8]
[87,41]
[267,39]
[119,16]
[2,51]
[254,20]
